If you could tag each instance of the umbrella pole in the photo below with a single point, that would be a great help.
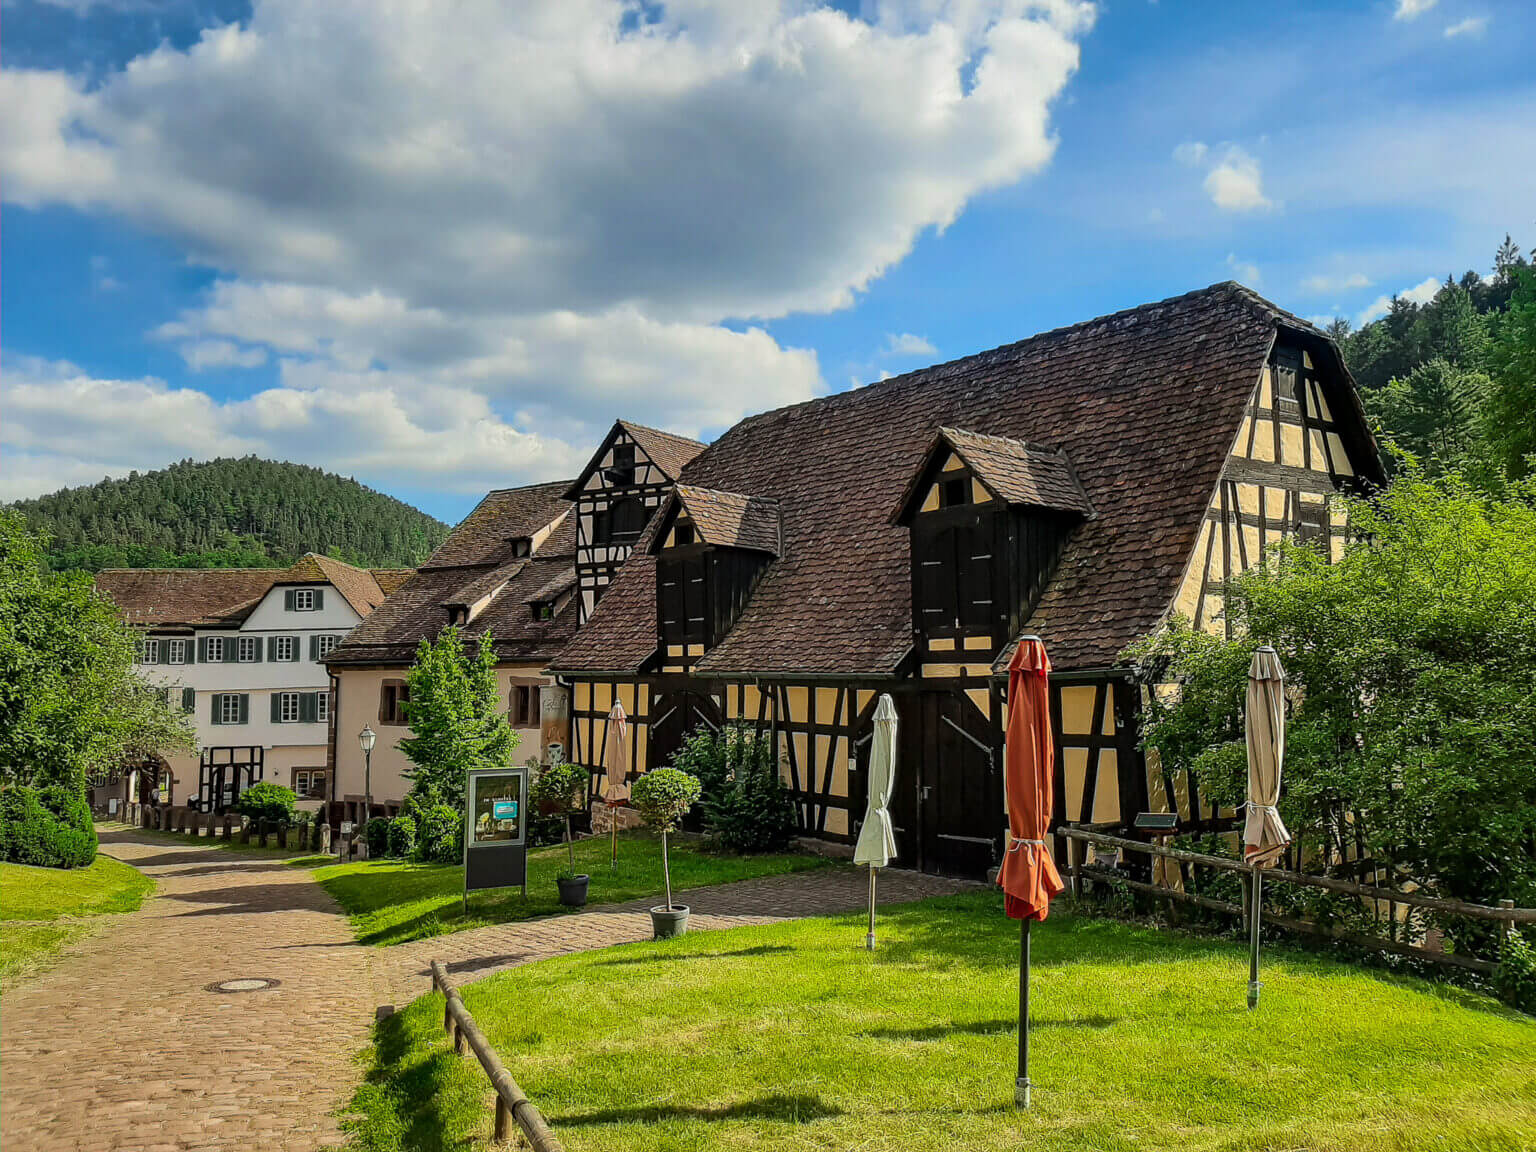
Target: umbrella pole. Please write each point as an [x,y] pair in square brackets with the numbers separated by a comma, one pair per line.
[1254,918]
[869,940]
[1021,1085]
[613,833]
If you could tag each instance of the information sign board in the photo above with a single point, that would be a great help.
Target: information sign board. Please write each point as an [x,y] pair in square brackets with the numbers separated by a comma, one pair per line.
[495,829]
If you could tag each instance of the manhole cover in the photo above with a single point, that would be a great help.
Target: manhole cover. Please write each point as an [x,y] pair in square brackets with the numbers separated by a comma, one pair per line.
[244,984]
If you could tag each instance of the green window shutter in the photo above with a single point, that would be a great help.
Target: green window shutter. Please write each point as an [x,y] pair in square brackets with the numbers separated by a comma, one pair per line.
[245,708]
[288,600]
[295,652]
[314,648]
[188,699]
[232,649]
[309,710]
[271,647]
[201,655]
[277,707]
[319,599]
[258,649]
[213,710]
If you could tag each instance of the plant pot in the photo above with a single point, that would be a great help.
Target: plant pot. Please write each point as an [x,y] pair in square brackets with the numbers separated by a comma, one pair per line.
[573,890]
[669,922]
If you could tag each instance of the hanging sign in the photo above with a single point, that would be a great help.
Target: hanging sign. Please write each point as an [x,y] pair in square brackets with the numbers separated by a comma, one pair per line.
[495,829]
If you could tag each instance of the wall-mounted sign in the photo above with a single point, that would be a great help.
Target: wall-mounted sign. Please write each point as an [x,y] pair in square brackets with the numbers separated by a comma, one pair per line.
[495,832]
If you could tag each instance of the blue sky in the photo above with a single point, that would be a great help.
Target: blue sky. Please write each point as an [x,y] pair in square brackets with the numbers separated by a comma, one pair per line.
[443,255]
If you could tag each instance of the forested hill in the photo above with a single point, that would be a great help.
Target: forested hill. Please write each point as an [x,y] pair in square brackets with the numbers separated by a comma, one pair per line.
[245,513]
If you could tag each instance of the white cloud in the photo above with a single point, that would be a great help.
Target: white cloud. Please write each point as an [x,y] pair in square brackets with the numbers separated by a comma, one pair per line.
[906,344]
[1245,270]
[1421,293]
[1236,183]
[544,202]
[1472,26]
[1191,152]
[1324,283]
[1412,9]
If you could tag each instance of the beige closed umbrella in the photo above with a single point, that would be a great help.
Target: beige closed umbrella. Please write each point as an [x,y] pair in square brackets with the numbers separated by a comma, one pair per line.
[1264,834]
[877,839]
[616,771]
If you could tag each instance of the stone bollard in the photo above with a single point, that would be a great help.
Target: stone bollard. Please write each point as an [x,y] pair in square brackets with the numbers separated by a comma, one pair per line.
[261,833]
[245,830]
[228,821]
[324,844]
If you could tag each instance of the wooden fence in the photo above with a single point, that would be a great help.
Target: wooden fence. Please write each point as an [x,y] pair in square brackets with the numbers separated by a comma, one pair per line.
[1506,914]
[512,1104]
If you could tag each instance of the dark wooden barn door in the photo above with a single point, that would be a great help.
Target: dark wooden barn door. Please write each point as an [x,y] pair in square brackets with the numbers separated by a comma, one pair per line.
[949,793]
[675,713]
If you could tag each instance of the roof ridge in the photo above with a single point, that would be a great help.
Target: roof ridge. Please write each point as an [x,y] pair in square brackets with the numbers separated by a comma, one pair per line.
[1027,445]
[727,492]
[633,424]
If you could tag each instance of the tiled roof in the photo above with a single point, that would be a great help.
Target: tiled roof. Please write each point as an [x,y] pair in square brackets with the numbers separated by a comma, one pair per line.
[186,597]
[223,597]
[667,450]
[418,609]
[731,519]
[1020,473]
[388,579]
[1145,403]
[504,515]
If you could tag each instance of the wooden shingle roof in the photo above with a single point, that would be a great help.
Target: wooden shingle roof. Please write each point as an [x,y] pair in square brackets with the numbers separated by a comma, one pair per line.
[667,450]
[1145,403]
[507,514]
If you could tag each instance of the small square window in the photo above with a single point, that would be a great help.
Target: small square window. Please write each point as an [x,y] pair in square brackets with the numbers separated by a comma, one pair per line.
[682,535]
[521,546]
[215,649]
[953,493]
[149,650]
[304,600]
[288,708]
[175,651]
[323,646]
[285,647]
[250,649]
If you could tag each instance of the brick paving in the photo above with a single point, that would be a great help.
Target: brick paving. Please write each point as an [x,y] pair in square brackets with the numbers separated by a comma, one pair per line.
[119,1046]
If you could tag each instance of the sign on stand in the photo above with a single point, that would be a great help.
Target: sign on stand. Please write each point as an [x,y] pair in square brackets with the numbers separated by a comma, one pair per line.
[495,830]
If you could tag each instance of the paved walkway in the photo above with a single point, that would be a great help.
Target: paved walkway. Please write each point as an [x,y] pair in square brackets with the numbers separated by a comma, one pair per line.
[121,1046]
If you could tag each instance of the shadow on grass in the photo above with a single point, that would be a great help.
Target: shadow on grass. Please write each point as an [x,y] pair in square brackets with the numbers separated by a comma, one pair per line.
[413,1097]
[790,1109]
[988,1027]
[669,958]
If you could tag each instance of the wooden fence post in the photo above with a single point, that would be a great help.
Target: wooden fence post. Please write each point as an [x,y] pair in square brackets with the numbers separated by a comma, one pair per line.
[1506,926]
[1075,862]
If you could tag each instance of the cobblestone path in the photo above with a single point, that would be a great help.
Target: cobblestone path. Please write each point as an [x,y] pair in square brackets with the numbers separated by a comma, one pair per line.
[121,1046]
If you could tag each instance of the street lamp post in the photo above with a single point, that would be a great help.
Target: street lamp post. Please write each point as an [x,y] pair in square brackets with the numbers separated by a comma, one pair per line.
[365,740]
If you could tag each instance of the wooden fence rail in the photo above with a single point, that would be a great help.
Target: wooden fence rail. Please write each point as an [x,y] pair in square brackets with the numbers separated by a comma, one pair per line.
[511,1102]
[1506,915]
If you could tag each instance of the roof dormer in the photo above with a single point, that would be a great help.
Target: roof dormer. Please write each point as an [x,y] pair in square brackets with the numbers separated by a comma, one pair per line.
[967,468]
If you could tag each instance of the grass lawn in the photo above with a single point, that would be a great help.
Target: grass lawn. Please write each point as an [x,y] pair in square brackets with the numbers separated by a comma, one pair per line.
[391,902]
[791,1036]
[43,909]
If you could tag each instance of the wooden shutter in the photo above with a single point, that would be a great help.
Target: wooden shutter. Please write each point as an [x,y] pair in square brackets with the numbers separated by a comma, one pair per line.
[386,702]
[295,657]
[215,700]
[277,707]
[319,599]
[232,649]
[288,600]
[258,649]
[188,699]
[271,647]
[245,707]
[309,710]
[314,648]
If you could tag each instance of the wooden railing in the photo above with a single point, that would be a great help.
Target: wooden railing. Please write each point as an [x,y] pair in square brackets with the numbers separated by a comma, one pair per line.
[512,1104]
[1506,914]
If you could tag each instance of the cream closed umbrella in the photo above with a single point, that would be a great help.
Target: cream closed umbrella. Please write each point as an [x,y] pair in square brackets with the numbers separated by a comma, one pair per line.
[877,840]
[616,770]
[1264,834]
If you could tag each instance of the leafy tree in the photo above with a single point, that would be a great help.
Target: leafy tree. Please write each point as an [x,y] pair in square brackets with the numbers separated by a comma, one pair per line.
[1511,418]
[1411,666]
[456,717]
[1435,412]
[663,796]
[71,706]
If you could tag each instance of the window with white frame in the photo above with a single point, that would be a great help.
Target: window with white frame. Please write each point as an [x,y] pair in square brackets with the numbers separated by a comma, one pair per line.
[214,646]
[323,646]
[309,783]
[304,600]
[250,649]
[288,708]
[285,648]
[229,707]
[322,705]
[149,650]
[175,651]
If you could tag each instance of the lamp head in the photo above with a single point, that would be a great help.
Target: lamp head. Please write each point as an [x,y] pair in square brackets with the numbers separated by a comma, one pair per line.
[366,739]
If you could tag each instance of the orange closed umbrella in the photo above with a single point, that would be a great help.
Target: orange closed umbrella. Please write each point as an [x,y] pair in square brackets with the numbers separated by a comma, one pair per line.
[1028,876]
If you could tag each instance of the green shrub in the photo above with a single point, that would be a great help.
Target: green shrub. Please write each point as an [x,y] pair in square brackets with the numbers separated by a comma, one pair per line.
[49,827]
[753,812]
[1515,977]
[402,836]
[544,827]
[559,790]
[663,796]
[440,835]
[267,801]
[376,834]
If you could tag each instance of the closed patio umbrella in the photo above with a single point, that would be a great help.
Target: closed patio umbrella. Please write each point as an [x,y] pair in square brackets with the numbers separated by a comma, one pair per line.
[877,840]
[1264,834]
[1028,876]
[616,769]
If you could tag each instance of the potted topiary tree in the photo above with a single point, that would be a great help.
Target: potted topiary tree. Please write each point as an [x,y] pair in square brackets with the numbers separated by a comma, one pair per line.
[663,797]
[560,790]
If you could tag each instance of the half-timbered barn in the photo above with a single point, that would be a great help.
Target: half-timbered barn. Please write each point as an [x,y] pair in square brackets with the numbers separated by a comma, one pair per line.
[1083,484]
